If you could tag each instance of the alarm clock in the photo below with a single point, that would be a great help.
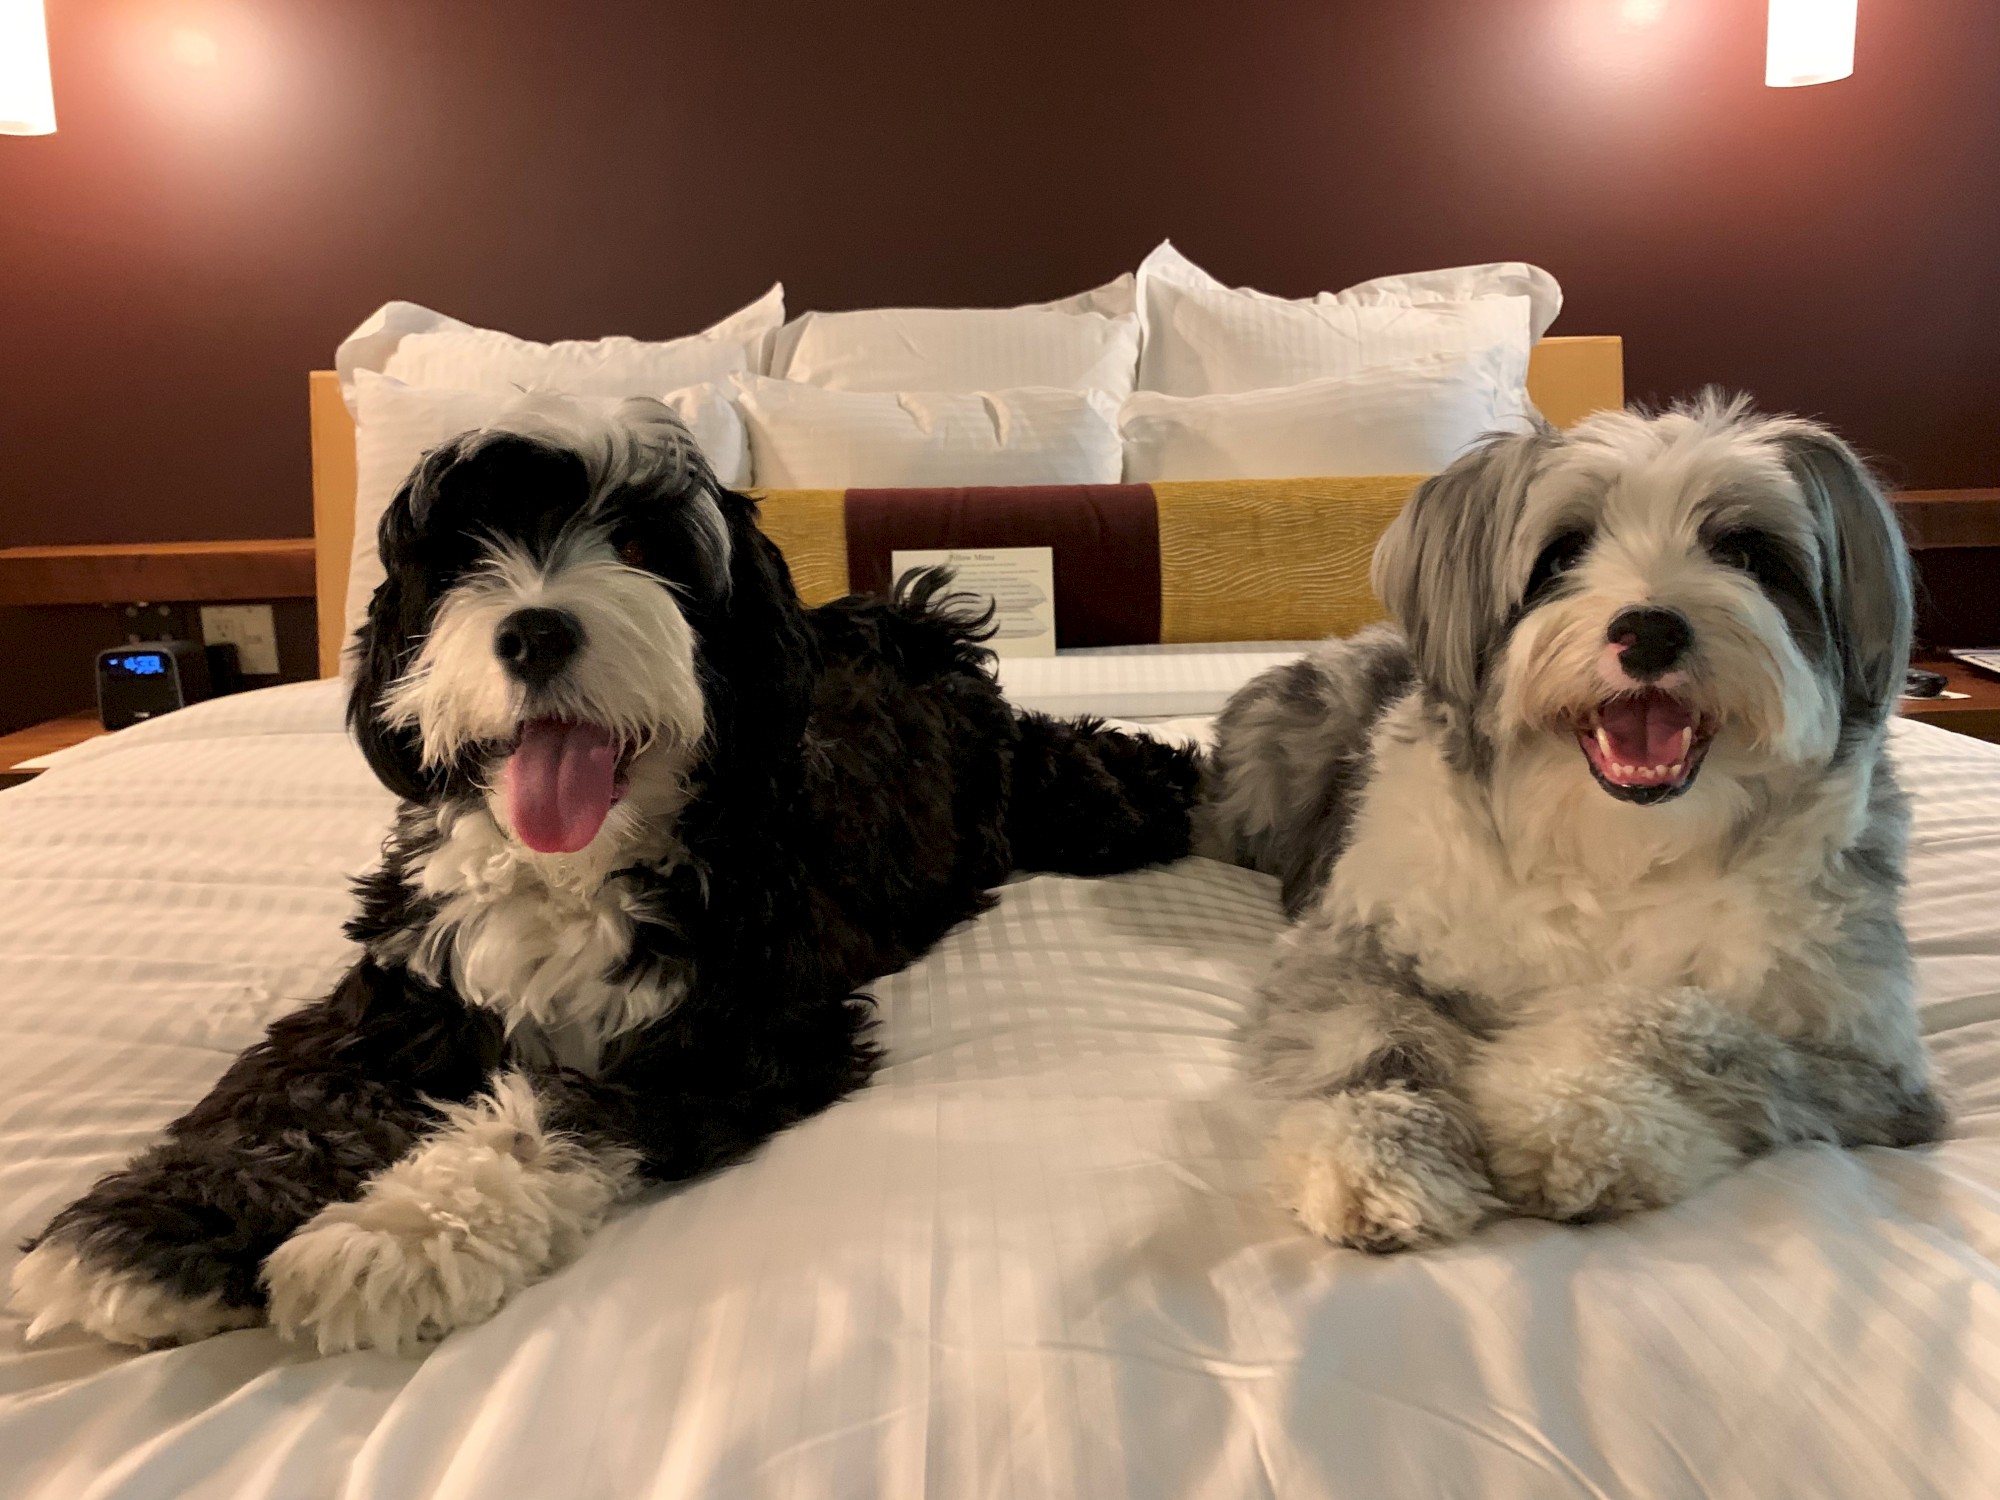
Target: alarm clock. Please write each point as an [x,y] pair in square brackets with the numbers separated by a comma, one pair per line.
[143,682]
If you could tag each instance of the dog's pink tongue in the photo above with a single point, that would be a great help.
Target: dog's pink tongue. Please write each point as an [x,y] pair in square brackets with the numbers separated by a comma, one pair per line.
[561,782]
[1645,730]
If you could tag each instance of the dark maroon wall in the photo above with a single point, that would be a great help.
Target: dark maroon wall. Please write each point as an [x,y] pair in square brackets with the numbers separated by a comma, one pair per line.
[182,252]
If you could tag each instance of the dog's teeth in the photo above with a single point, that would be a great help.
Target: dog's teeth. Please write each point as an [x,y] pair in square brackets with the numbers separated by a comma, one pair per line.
[1687,739]
[1604,744]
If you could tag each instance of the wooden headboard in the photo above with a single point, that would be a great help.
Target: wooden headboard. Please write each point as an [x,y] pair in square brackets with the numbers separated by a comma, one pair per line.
[1568,378]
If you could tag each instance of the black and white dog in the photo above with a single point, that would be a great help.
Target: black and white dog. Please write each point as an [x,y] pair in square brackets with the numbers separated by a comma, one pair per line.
[659,825]
[1595,855]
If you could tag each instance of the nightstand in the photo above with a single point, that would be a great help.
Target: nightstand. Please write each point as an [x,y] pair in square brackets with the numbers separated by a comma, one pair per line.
[1976,714]
[1954,540]
[159,573]
[43,739]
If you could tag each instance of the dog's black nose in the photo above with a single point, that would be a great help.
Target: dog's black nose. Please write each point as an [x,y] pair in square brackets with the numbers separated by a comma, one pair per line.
[535,644]
[1651,640]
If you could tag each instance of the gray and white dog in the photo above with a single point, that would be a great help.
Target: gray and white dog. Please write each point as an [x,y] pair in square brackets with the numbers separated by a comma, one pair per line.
[1595,853]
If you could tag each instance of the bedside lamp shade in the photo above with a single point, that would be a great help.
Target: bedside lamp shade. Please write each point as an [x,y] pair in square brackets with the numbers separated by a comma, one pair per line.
[1810,41]
[27,100]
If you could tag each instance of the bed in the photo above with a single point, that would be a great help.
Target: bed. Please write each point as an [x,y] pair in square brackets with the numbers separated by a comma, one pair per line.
[1036,1257]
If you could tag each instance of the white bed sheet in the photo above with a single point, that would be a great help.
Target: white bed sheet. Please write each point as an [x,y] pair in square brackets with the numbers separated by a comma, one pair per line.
[1138,682]
[1035,1258]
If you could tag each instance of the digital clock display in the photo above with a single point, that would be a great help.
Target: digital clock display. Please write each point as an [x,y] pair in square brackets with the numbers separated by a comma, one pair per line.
[138,664]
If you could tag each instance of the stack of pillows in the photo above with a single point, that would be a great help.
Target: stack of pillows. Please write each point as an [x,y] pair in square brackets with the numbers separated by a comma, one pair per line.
[1162,374]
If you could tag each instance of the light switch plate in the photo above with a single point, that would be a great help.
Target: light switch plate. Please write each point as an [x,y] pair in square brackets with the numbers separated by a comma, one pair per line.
[247,627]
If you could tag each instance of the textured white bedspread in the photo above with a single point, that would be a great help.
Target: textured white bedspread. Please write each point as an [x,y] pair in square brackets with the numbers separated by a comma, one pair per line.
[1035,1258]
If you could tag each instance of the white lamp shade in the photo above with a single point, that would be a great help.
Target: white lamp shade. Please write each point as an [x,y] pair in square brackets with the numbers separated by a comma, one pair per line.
[27,99]
[1811,41]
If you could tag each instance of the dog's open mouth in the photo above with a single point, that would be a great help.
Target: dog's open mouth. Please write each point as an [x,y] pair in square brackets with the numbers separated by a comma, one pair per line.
[1644,747]
[562,779]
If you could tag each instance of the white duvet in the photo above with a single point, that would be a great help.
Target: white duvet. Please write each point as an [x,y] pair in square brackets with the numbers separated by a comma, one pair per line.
[1035,1258]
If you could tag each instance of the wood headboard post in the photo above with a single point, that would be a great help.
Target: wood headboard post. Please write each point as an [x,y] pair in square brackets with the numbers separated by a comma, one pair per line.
[1568,379]
[334,483]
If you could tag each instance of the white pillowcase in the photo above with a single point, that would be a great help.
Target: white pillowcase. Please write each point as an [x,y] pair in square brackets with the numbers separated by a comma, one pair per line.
[962,349]
[1412,418]
[809,437]
[1203,338]
[1115,299]
[1500,278]
[486,359]
[422,347]
[1210,343]
[397,424]
[1506,278]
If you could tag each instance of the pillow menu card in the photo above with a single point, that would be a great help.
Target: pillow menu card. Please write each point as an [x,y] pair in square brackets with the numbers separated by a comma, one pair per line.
[1018,581]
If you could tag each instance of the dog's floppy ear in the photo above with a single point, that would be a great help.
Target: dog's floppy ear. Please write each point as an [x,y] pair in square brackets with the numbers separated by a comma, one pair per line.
[1438,569]
[775,661]
[397,616]
[1865,577]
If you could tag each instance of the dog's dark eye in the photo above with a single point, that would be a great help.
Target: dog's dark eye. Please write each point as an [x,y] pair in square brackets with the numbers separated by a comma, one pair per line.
[632,552]
[1736,549]
[1759,554]
[1562,554]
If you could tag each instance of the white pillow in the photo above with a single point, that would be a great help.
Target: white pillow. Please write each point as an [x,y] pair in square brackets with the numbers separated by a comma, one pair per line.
[1412,418]
[1164,265]
[1114,299]
[1117,298]
[1500,278]
[808,437]
[1507,278]
[421,347]
[397,424]
[1203,338]
[1208,343]
[962,349]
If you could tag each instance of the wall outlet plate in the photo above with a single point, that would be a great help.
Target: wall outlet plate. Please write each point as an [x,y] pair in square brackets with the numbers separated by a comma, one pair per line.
[247,627]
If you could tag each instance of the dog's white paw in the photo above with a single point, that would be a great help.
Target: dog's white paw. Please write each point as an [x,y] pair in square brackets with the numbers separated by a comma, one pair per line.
[441,1239]
[53,1288]
[1592,1140]
[1379,1169]
[395,1275]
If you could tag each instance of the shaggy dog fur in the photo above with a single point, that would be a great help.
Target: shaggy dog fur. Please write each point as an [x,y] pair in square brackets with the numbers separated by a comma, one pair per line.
[1595,855]
[659,824]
